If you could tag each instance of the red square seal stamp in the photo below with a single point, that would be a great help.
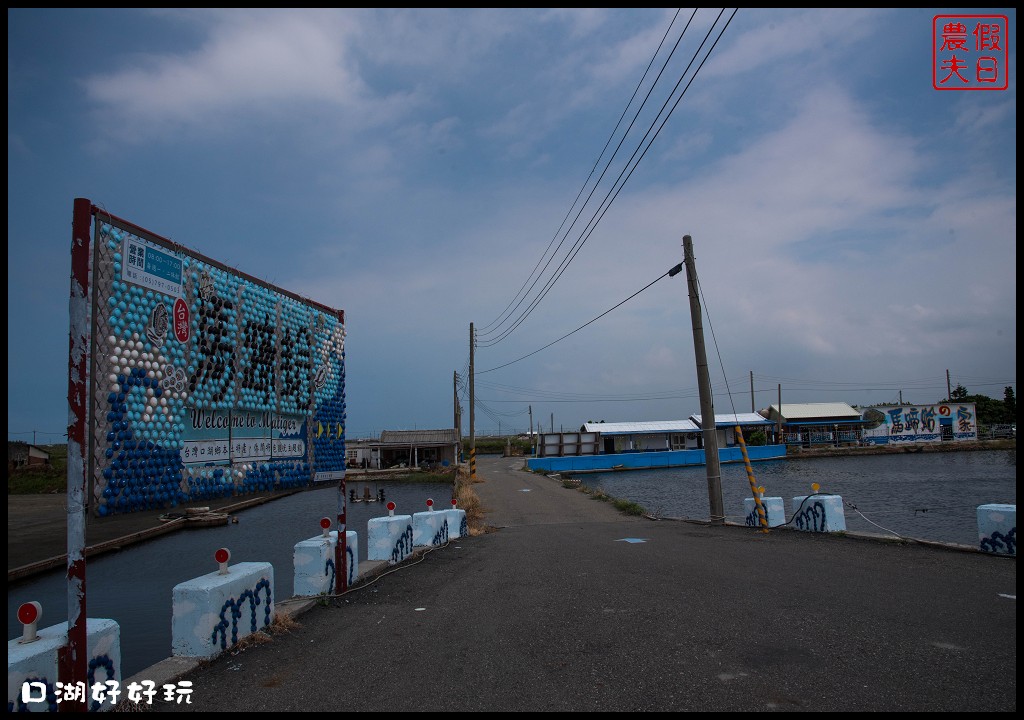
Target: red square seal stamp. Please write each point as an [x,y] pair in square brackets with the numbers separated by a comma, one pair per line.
[970,52]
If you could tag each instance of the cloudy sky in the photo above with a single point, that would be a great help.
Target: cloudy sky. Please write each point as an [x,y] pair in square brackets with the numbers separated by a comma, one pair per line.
[527,170]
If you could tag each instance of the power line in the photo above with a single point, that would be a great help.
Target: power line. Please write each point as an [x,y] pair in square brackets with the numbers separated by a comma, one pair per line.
[621,181]
[673,271]
[555,395]
[485,331]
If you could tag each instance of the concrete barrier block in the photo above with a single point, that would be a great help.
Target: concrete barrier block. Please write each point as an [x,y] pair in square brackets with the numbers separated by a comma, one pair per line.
[819,513]
[210,614]
[314,565]
[997,528]
[429,529]
[458,527]
[32,668]
[389,538]
[774,509]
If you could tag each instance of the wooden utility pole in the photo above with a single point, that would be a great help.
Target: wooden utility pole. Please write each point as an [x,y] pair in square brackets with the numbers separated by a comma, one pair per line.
[707,404]
[752,408]
[455,400]
[531,429]
[778,424]
[472,406]
[949,392]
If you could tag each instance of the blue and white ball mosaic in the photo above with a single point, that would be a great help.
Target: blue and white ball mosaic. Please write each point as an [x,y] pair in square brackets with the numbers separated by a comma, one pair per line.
[247,348]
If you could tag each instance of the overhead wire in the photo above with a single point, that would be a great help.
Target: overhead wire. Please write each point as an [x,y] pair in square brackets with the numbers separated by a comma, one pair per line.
[586,182]
[584,397]
[667,273]
[621,181]
[564,263]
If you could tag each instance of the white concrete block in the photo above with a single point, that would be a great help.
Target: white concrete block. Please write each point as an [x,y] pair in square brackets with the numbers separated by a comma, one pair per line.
[210,614]
[819,513]
[457,525]
[36,663]
[389,538]
[314,563]
[997,528]
[774,509]
[430,529]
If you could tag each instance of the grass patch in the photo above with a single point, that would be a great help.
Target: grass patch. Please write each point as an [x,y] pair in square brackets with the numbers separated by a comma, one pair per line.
[498,445]
[470,502]
[42,479]
[282,623]
[31,482]
[626,506]
[424,476]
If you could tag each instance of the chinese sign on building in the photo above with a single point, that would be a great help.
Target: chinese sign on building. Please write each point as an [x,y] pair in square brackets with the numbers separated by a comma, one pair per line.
[944,422]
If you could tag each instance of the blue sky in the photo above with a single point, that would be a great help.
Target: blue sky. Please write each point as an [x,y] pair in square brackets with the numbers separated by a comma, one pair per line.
[854,229]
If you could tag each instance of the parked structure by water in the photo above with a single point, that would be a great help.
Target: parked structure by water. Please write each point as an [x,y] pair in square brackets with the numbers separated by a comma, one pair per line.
[599,447]
[405,448]
[836,424]
[809,424]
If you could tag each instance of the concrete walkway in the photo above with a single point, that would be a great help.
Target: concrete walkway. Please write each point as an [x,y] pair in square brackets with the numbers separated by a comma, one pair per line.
[570,605]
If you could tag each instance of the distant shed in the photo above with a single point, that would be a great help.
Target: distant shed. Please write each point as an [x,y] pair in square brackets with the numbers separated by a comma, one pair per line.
[810,424]
[22,454]
[417,447]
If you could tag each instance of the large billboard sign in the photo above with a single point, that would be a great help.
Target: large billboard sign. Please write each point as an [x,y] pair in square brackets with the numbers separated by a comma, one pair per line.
[942,422]
[203,382]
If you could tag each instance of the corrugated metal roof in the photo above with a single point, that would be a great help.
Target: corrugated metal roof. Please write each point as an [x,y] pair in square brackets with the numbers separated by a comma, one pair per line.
[639,428]
[805,411]
[737,419]
[419,437]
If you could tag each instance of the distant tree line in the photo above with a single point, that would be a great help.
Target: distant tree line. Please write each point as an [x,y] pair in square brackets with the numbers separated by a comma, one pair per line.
[990,411]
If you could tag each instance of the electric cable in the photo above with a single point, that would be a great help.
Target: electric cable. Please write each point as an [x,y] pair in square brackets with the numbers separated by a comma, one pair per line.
[636,90]
[613,194]
[669,273]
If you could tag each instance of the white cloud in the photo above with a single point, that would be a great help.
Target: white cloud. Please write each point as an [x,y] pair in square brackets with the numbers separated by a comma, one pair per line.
[779,36]
[248,63]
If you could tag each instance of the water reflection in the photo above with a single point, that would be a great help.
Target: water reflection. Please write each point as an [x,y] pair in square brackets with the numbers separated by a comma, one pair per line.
[928,496]
[133,587]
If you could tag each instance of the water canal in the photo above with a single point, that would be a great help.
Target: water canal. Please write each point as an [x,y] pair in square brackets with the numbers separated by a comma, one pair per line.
[926,496]
[134,587]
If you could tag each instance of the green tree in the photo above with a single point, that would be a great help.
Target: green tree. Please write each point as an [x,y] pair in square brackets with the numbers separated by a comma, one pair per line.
[1010,403]
[989,410]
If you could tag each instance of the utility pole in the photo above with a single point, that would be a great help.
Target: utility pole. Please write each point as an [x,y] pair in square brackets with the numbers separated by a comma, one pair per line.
[531,429]
[455,399]
[949,392]
[552,422]
[472,406]
[707,404]
[778,424]
[752,408]
[901,397]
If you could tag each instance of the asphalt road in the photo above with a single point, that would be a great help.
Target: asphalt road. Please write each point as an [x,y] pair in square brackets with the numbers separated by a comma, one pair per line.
[570,605]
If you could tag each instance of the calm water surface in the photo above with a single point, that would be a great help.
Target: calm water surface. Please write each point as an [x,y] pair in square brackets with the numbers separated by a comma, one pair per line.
[927,496]
[133,587]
